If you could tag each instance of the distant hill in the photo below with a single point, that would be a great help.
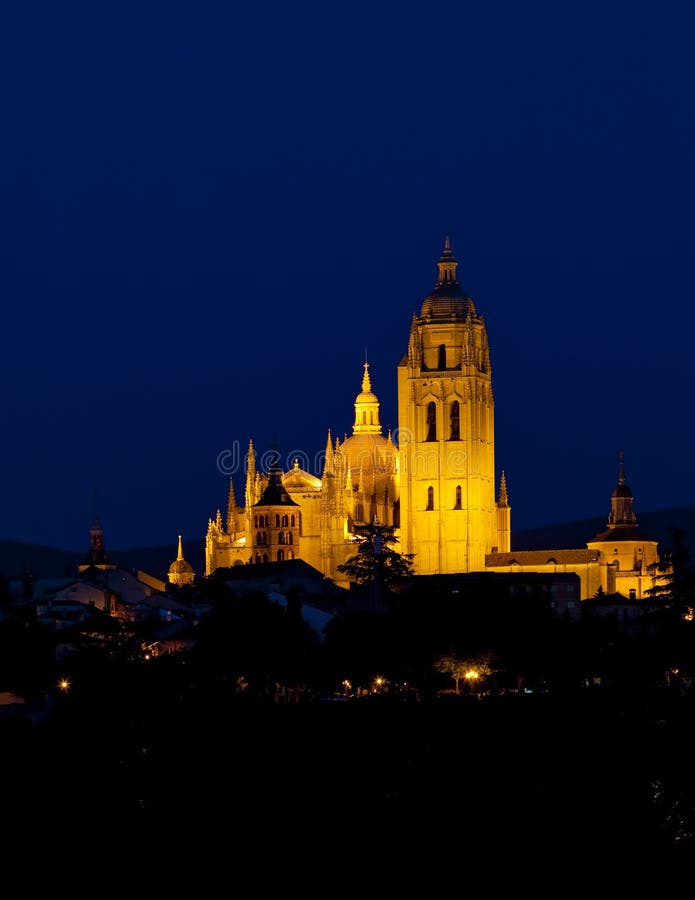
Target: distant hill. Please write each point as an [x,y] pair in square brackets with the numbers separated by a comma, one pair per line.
[654,525]
[47,562]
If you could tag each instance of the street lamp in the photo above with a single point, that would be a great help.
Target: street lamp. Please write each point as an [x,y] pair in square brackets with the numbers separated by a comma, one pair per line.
[471,676]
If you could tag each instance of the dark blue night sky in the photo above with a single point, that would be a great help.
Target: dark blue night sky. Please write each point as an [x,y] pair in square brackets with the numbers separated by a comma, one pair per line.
[209,211]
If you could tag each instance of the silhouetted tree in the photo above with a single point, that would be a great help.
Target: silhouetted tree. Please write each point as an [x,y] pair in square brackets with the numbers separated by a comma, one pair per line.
[675,585]
[376,560]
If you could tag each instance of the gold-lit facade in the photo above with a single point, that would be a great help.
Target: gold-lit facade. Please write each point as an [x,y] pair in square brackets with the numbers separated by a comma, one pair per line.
[449,516]
[619,560]
[434,480]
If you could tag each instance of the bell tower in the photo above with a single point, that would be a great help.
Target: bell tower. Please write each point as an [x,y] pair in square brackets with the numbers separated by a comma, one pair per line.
[449,517]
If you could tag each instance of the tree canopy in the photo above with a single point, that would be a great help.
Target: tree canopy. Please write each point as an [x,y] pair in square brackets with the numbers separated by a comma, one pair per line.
[376,560]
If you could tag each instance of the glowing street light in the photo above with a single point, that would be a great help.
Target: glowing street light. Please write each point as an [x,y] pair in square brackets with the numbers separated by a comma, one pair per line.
[64,685]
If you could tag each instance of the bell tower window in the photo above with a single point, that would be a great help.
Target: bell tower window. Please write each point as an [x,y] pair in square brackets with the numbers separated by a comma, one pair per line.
[430,498]
[455,422]
[441,364]
[457,503]
[431,421]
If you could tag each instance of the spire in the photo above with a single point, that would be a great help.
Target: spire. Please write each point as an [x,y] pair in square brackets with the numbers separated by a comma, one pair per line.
[447,265]
[96,558]
[231,509]
[249,491]
[329,461]
[366,383]
[503,499]
[180,571]
[97,552]
[622,500]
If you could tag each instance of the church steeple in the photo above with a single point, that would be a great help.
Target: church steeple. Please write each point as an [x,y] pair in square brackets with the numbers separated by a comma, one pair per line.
[447,302]
[622,500]
[181,571]
[97,552]
[448,511]
[96,558]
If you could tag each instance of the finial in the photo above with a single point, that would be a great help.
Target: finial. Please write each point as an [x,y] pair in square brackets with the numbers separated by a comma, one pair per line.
[621,476]
[504,499]
[447,265]
[179,555]
[366,383]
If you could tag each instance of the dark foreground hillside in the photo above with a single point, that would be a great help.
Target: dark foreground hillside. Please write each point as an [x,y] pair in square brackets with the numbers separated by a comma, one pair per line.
[531,773]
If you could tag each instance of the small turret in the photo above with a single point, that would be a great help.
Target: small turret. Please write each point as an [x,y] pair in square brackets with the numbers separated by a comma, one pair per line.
[181,571]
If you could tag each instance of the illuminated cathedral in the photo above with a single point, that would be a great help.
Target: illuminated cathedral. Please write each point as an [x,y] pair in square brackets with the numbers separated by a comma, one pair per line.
[434,480]
[435,484]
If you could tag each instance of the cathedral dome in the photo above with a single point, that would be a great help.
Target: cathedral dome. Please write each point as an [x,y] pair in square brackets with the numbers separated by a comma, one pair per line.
[447,301]
[300,480]
[367,452]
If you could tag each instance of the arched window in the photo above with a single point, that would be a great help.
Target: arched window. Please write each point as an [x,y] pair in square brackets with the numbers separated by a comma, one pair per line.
[431,421]
[264,537]
[292,520]
[289,537]
[259,538]
[255,521]
[457,503]
[442,357]
[430,498]
[277,520]
[281,537]
[281,555]
[258,559]
[290,554]
[265,557]
[267,520]
[285,521]
[455,422]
